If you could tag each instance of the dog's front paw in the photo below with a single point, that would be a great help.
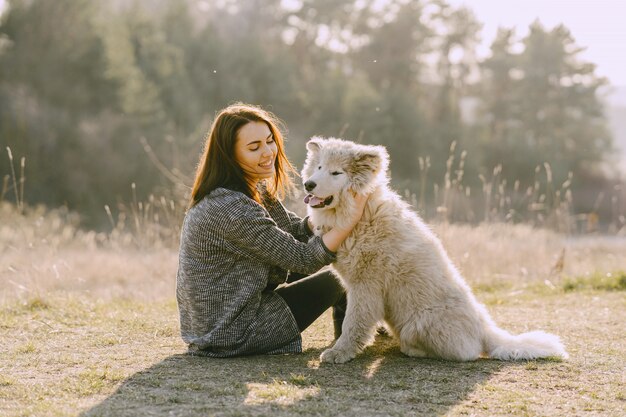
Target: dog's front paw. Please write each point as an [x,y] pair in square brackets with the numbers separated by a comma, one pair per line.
[336,356]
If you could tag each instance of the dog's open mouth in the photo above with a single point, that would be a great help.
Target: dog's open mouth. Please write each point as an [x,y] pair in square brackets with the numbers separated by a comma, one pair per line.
[317,202]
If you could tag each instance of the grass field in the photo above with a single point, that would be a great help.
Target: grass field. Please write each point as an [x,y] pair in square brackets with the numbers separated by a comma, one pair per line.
[91,329]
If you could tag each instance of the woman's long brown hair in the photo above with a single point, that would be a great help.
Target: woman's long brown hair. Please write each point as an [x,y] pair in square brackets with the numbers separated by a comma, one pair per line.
[218,167]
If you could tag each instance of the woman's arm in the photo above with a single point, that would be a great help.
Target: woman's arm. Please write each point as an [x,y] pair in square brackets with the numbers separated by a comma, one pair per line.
[250,231]
[335,236]
[246,225]
[300,227]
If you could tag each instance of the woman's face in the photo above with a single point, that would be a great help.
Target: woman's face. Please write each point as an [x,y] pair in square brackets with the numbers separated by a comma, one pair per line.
[255,151]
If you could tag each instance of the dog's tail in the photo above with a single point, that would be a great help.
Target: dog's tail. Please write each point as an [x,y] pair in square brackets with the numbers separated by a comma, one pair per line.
[500,344]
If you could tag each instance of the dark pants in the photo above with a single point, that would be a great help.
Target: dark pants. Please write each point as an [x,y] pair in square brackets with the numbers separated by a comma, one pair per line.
[309,296]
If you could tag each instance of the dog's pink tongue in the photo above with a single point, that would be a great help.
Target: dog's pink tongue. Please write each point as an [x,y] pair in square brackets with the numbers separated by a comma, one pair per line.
[312,200]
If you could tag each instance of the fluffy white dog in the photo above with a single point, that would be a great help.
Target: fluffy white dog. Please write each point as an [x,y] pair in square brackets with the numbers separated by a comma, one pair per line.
[395,269]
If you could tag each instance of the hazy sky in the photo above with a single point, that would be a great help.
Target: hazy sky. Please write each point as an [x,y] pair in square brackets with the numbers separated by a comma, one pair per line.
[598,25]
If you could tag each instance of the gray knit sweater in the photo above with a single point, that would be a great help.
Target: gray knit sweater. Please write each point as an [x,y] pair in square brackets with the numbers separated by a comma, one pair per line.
[231,249]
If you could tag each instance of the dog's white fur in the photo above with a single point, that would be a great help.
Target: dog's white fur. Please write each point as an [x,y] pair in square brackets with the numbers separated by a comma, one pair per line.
[395,269]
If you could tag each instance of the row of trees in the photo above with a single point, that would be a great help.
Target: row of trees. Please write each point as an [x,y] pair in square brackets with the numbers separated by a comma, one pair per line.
[83,81]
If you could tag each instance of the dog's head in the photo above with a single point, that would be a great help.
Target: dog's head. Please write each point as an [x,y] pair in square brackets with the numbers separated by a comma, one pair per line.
[334,167]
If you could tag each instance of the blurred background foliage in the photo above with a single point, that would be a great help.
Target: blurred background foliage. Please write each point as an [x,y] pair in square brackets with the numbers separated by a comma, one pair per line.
[98,95]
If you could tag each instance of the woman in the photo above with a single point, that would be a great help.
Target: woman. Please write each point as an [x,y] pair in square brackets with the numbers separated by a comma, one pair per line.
[238,243]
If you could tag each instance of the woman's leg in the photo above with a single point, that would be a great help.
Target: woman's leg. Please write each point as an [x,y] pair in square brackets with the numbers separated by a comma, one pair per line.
[309,297]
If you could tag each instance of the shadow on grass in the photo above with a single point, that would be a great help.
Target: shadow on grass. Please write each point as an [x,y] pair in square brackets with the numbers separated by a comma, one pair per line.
[381,381]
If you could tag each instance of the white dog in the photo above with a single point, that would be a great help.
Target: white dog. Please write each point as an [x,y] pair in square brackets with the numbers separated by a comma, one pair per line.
[395,269]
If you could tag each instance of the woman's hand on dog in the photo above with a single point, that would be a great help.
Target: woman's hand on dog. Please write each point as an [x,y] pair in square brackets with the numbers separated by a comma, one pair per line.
[360,201]
[335,236]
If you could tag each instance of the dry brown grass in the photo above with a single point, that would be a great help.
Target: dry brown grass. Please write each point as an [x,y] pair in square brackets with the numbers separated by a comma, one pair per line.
[88,327]
[69,356]
[520,255]
[44,251]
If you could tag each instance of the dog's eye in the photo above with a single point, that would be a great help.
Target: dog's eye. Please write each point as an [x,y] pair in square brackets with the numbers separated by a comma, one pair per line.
[336,173]
[319,167]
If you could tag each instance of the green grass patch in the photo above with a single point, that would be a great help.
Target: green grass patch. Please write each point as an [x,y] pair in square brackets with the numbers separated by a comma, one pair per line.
[300,380]
[491,287]
[5,381]
[36,303]
[92,381]
[27,348]
[611,281]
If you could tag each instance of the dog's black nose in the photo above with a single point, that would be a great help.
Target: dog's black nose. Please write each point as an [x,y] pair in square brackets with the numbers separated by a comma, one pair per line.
[310,185]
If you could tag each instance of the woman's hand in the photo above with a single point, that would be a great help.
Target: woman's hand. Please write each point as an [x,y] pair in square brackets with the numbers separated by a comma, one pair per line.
[360,200]
[335,236]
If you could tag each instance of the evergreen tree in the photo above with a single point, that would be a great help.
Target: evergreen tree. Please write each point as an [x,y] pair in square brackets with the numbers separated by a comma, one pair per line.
[541,105]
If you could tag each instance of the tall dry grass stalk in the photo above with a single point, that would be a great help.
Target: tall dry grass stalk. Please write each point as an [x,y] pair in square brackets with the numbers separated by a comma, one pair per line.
[544,204]
[157,221]
[146,224]
[5,186]
[18,191]
[44,250]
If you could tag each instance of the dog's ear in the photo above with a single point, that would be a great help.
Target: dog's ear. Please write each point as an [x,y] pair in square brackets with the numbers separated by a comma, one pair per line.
[368,165]
[314,144]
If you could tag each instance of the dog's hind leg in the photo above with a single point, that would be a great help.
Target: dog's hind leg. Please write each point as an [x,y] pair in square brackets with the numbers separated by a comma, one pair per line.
[365,310]
[410,344]
[454,334]
[413,350]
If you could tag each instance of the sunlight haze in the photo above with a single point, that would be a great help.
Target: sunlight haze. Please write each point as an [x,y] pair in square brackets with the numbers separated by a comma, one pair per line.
[597,26]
